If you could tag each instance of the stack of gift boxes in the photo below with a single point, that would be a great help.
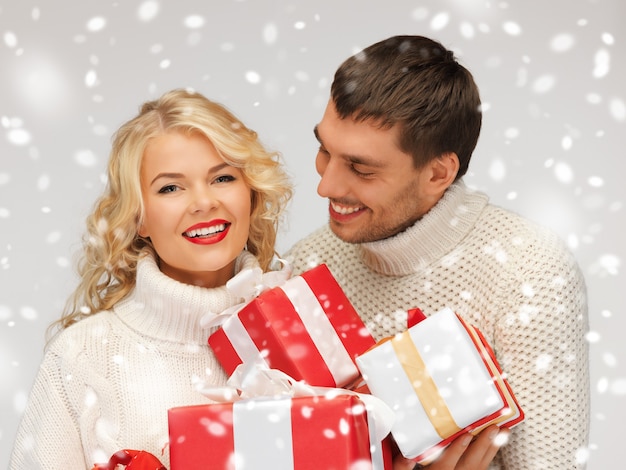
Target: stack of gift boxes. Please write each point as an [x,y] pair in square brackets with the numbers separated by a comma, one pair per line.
[439,379]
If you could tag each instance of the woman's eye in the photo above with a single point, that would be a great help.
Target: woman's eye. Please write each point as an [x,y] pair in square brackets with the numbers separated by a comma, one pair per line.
[224,178]
[170,188]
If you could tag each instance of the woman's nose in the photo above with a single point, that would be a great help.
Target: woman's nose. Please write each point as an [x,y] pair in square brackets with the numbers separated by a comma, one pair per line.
[203,199]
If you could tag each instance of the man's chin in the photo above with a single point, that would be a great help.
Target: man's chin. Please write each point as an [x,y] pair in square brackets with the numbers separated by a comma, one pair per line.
[352,235]
[346,235]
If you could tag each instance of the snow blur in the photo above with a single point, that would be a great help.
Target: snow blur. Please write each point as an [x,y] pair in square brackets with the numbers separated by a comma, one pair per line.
[554,104]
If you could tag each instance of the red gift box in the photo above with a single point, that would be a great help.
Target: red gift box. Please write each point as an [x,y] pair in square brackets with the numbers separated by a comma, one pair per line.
[305,327]
[281,433]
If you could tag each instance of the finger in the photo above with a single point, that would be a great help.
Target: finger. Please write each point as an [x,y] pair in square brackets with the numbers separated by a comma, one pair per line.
[465,452]
[484,448]
[401,463]
[497,437]
[446,460]
[452,454]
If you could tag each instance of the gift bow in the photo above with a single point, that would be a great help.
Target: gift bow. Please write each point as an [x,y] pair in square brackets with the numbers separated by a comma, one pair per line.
[247,284]
[255,380]
[132,460]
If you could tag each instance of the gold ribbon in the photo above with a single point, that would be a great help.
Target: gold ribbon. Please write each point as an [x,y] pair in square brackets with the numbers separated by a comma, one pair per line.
[424,385]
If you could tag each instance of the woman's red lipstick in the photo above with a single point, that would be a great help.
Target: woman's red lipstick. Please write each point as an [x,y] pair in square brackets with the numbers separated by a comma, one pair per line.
[207,233]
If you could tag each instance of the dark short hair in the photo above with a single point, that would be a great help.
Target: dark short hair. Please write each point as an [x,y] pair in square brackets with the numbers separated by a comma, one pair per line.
[416,83]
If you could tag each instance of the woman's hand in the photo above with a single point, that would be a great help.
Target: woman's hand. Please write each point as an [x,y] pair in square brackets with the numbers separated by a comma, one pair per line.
[465,452]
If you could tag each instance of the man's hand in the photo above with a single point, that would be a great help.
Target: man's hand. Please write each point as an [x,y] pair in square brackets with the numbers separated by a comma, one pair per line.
[465,452]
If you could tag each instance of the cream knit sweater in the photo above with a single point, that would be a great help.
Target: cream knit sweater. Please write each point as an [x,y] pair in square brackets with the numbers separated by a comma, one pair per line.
[513,280]
[106,382]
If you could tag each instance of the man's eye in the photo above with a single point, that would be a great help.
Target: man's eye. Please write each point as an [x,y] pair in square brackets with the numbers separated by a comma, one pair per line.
[359,173]
[170,188]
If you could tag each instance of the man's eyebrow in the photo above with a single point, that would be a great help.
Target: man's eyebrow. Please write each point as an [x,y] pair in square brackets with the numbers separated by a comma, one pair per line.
[355,159]
[365,160]
[317,134]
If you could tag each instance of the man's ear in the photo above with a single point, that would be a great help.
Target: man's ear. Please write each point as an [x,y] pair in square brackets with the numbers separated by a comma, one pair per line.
[443,171]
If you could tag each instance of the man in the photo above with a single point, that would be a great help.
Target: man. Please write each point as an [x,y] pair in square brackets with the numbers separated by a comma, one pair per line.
[404,231]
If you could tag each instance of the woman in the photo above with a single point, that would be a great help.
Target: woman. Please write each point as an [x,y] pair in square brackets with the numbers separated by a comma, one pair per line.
[192,198]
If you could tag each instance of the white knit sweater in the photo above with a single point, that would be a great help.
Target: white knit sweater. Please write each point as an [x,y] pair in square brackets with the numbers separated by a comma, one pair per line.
[106,382]
[513,280]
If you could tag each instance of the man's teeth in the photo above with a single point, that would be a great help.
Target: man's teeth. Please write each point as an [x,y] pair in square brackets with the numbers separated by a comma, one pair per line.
[203,232]
[345,210]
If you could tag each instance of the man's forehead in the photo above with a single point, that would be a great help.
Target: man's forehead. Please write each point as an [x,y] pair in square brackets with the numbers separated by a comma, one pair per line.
[357,144]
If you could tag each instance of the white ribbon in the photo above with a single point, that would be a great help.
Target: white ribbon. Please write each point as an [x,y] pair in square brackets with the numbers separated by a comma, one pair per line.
[248,284]
[254,380]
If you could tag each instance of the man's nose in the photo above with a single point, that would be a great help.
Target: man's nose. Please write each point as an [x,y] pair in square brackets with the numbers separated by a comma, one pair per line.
[333,180]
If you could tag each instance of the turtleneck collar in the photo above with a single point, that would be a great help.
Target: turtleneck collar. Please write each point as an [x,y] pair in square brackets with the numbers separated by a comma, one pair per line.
[430,238]
[165,309]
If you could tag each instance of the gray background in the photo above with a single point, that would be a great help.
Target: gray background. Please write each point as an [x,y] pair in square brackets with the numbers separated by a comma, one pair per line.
[551,74]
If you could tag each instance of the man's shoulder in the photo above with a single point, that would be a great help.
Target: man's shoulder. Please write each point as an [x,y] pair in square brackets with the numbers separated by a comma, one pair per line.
[518,231]
[513,221]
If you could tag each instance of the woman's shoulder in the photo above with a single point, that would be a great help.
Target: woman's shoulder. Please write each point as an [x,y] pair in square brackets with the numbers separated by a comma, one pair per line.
[87,331]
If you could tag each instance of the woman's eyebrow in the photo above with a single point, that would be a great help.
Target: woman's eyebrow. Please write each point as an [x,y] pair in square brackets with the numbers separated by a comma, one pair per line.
[166,175]
[213,169]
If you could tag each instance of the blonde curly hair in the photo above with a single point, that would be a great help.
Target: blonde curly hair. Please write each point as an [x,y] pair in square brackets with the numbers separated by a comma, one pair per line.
[111,244]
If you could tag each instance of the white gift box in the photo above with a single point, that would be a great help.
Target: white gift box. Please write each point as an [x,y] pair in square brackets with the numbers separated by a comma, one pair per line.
[441,379]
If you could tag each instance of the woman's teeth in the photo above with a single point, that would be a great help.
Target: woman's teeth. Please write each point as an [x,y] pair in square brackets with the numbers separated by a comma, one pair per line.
[203,232]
